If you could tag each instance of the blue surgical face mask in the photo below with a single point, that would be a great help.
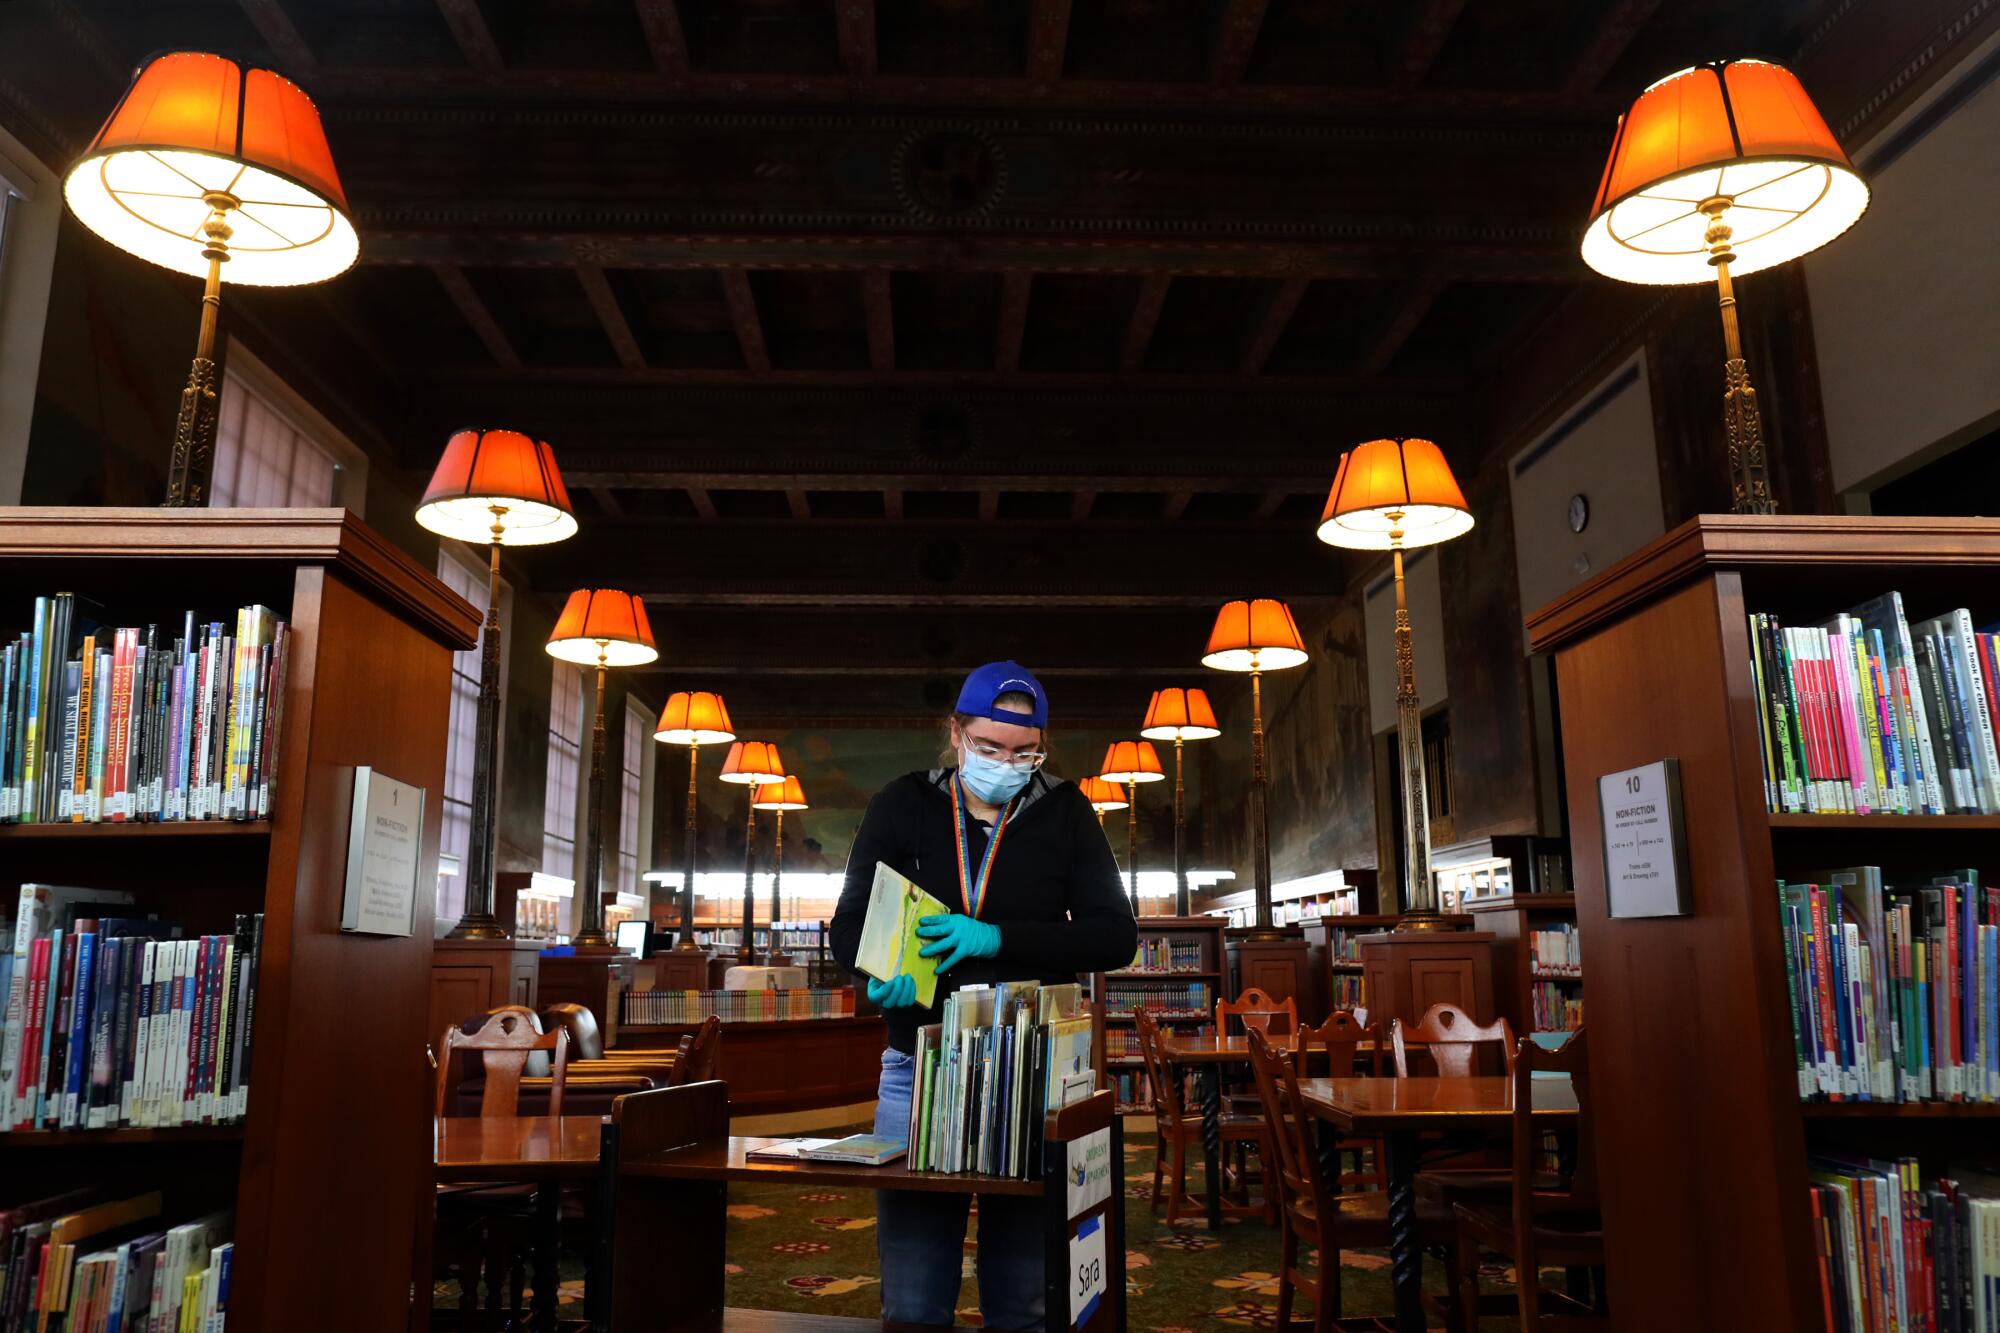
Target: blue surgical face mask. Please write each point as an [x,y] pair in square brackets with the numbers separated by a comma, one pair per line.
[989,779]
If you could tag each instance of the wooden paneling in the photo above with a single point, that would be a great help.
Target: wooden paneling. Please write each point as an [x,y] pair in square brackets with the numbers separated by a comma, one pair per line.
[1407,972]
[1282,969]
[472,976]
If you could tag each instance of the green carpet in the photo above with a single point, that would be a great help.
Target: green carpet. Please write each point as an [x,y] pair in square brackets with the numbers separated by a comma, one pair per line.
[813,1251]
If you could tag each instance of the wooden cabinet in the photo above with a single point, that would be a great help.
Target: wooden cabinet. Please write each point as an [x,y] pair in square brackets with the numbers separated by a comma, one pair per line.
[791,1066]
[1278,967]
[472,976]
[592,980]
[1406,972]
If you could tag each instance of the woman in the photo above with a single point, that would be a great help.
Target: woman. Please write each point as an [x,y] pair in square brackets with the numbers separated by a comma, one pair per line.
[1037,897]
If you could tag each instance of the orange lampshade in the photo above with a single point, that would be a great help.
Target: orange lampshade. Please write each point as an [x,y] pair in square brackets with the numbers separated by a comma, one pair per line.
[1399,486]
[695,718]
[1132,761]
[753,762]
[1102,795]
[1737,129]
[484,470]
[784,795]
[1178,714]
[603,620]
[191,124]
[1257,635]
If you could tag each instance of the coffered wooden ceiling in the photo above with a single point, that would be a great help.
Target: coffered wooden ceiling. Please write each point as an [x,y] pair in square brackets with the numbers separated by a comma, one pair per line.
[877,337]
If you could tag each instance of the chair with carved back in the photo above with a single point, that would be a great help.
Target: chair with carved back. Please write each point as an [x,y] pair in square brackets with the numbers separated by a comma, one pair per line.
[489,1233]
[1179,1131]
[1454,1045]
[696,1058]
[1541,1222]
[1352,1049]
[1254,1009]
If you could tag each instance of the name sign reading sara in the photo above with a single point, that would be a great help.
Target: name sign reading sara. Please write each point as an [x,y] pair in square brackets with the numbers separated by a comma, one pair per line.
[1645,850]
[385,842]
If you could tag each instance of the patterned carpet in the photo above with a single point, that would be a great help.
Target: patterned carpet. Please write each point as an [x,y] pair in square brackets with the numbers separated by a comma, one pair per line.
[813,1251]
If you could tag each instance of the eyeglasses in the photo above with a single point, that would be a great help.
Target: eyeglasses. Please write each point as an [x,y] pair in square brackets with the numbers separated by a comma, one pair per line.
[1028,759]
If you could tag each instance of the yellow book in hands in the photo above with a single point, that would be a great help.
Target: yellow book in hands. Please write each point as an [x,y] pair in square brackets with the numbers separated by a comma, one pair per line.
[889,940]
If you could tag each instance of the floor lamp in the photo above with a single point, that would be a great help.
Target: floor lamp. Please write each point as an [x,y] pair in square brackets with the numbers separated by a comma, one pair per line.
[1102,796]
[1180,715]
[206,163]
[1725,166]
[694,719]
[604,628]
[1391,495]
[1131,763]
[751,763]
[778,796]
[499,487]
[1256,636]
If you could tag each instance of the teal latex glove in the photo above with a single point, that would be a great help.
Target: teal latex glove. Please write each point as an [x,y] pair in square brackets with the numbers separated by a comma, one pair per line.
[900,993]
[957,938]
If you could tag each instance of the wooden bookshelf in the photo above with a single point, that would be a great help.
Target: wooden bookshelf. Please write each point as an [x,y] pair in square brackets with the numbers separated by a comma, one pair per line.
[337,1140]
[1511,920]
[1207,963]
[1702,1140]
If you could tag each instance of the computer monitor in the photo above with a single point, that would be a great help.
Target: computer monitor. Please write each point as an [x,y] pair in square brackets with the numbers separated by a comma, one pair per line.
[632,937]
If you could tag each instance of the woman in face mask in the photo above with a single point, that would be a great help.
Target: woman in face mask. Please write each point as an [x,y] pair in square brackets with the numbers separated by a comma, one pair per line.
[1036,896]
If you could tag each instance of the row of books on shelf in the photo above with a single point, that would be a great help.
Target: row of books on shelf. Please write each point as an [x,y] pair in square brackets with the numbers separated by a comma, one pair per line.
[1554,1007]
[119,1021]
[82,1262]
[986,1073]
[1349,991]
[1132,1087]
[1557,950]
[1871,714]
[1344,946]
[1895,990]
[1163,953]
[642,1007]
[1899,1252]
[100,724]
[1167,999]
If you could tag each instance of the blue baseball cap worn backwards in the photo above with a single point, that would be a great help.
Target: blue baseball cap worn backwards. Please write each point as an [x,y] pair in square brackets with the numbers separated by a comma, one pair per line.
[988,683]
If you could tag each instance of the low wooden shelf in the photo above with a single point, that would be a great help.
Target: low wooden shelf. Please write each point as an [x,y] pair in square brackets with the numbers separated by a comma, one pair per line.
[791,1065]
[188,828]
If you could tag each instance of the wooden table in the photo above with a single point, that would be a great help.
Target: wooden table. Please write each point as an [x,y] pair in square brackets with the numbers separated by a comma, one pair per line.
[1396,1110]
[1209,1053]
[546,1150]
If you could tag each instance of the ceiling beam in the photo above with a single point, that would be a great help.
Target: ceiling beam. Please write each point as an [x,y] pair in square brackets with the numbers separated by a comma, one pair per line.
[1387,258]
[989,505]
[1418,298]
[459,288]
[605,302]
[1271,327]
[743,317]
[1615,31]
[797,502]
[918,379]
[1233,476]
[1079,505]
[607,500]
[1175,505]
[1014,291]
[892,498]
[854,22]
[1235,40]
[878,307]
[704,504]
[1037,601]
[474,38]
[1423,39]
[278,32]
[1145,318]
[1269,505]
[661,21]
[1048,39]
[810,670]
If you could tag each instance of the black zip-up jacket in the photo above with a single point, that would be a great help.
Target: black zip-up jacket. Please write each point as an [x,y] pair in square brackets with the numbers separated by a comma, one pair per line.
[1054,890]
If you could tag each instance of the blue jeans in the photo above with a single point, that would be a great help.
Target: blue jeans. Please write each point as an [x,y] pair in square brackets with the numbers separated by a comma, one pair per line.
[920,1237]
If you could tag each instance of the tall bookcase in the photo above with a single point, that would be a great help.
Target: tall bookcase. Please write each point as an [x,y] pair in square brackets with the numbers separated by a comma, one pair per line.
[1190,955]
[1702,1139]
[329,1174]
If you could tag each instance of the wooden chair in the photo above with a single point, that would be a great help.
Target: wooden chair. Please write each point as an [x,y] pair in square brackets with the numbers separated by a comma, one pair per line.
[1457,1046]
[1311,1215]
[1254,1009]
[695,1061]
[1342,1037]
[1540,1222]
[489,1229]
[1178,1131]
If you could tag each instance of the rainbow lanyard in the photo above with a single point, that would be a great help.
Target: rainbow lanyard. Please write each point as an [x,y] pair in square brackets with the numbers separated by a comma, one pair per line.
[970,891]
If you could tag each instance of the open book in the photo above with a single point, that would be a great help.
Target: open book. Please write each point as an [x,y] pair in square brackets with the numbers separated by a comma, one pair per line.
[889,941]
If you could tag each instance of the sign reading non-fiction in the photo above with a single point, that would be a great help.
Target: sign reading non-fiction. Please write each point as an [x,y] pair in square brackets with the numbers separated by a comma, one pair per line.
[385,843]
[1645,850]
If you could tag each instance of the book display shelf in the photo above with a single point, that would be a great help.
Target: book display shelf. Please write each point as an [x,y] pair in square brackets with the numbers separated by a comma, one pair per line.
[1703,1137]
[335,1142]
[1537,963]
[1179,972]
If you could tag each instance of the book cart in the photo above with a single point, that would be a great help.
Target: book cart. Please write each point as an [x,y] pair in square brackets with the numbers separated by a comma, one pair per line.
[1702,1136]
[329,1172]
[675,1158]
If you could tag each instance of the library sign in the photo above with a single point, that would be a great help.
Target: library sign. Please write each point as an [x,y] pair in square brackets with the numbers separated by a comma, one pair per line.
[1645,848]
[385,842]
